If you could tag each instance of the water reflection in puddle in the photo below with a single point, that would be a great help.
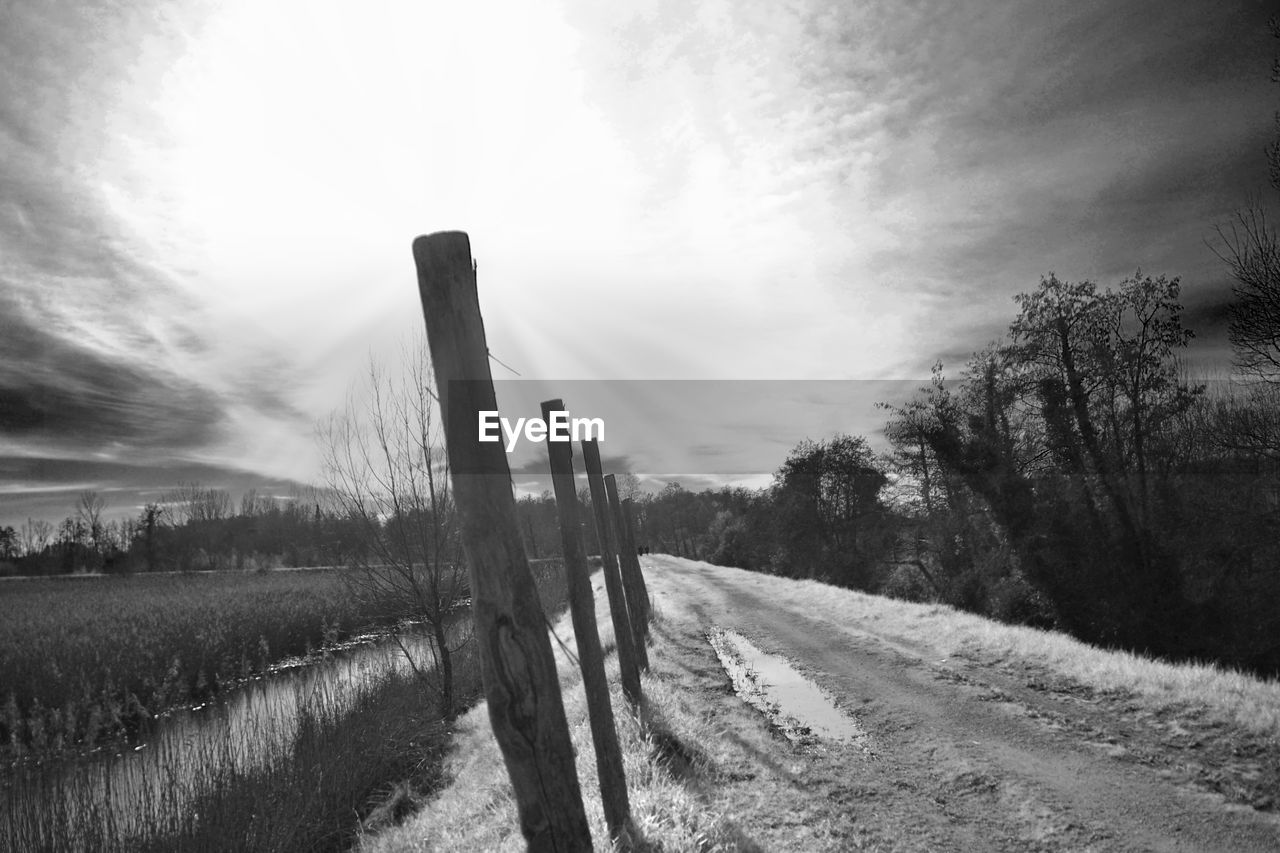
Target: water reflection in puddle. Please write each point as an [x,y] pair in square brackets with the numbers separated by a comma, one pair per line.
[793,703]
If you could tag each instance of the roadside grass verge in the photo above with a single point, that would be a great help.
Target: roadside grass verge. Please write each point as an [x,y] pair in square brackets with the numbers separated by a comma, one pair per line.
[1233,697]
[477,811]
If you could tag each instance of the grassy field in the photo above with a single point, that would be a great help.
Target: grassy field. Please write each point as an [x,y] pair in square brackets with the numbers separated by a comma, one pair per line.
[83,659]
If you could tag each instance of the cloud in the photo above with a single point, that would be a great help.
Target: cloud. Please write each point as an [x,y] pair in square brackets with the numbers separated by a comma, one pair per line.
[56,391]
[1086,139]
[106,344]
[46,486]
[88,320]
[657,190]
[896,172]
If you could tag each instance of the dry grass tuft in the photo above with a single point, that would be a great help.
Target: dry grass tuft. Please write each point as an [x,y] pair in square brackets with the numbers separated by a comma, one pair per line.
[476,811]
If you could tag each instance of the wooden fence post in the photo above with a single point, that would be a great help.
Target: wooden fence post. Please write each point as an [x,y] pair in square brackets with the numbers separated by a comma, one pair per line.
[629,519]
[582,606]
[623,631]
[518,669]
[631,579]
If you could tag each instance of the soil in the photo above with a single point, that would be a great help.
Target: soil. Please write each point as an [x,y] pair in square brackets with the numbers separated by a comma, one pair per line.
[960,754]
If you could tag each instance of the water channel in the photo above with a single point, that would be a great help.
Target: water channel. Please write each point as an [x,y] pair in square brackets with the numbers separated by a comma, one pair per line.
[127,791]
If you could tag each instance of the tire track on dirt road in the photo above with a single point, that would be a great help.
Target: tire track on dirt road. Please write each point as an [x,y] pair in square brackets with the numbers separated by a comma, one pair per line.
[953,769]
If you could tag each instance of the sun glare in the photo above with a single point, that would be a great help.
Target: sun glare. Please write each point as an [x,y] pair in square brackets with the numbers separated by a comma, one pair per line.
[301,124]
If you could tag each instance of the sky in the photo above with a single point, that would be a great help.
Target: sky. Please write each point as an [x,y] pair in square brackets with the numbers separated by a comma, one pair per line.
[206,208]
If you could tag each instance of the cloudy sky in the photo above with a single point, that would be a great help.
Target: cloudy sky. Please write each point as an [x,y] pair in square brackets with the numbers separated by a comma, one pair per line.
[206,207]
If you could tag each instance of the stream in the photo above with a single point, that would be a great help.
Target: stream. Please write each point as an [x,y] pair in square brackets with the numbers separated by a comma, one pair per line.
[127,790]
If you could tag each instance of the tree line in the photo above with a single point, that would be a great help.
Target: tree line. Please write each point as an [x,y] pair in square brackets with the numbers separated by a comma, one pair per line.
[1071,477]
[190,528]
[201,528]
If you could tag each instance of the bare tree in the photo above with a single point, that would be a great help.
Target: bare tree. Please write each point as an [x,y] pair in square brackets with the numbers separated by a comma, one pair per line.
[385,467]
[252,503]
[1251,251]
[196,510]
[191,503]
[1238,421]
[89,508]
[629,487]
[36,535]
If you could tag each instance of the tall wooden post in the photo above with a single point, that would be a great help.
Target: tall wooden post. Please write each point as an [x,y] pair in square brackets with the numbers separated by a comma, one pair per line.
[582,606]
[629,519]
[516,664]
[622,630]
[631,580]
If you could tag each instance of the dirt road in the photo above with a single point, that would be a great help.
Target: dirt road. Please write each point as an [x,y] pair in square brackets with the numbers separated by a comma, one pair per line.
[960,754]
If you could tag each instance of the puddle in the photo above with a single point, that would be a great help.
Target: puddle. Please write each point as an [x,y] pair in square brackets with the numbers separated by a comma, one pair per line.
[793,703]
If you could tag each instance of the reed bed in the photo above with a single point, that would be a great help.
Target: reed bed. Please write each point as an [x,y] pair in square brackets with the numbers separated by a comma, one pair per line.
[84,660]
[328,760]
[244,790]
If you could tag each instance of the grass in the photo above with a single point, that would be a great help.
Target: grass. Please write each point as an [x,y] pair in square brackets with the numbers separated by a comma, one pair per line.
[304,798]
[360,756]
[477,811]
[83,660]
